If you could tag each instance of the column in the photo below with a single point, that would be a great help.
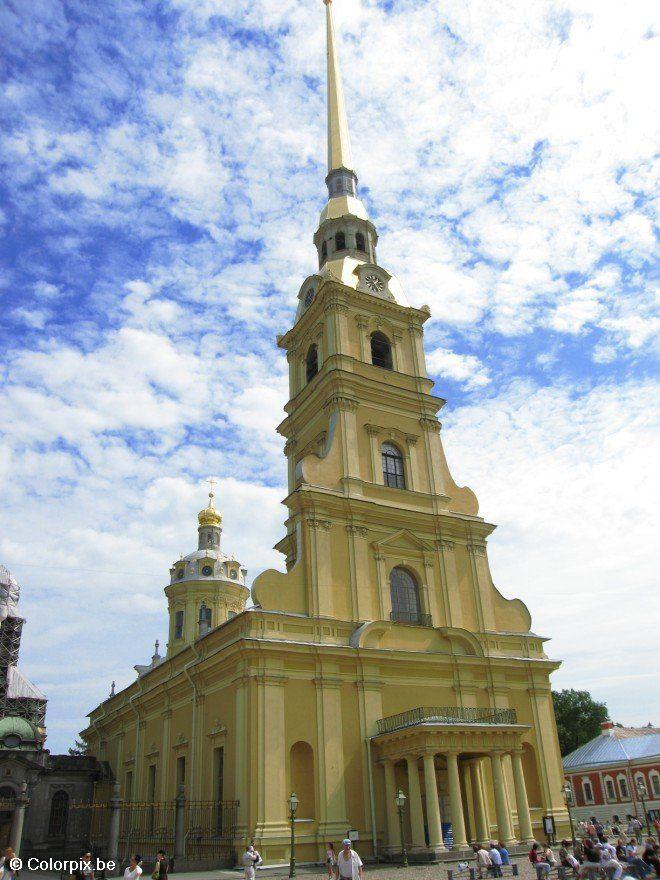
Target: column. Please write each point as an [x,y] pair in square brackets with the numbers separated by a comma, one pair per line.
[415,805]
[113,826]
[504,831]
[271,768]
[180,823]
[456,803]
[393,841]
[522,804]
[18,819]
[432,805]
[478,804]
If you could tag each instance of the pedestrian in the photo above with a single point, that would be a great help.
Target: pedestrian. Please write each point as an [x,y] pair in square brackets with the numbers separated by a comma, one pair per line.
[612,868]
[251,859]
[161,866]
[484,861]
[134,868]
[634,826]
[496,860]
[330,860]
[6,870]
[86,869]
[349,864]
[608,851]
[566,857]
[538,862]
[549,856]
[504,852]
[651,856]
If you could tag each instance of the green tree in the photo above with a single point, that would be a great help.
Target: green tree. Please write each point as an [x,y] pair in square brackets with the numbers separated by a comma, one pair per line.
[79,748]
[578,718]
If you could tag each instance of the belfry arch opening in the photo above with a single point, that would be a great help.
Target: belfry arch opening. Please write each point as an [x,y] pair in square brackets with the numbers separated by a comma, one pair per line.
[381,351]
[312,362]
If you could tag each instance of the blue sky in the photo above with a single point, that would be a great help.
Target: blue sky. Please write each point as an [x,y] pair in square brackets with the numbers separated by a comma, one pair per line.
[162,169]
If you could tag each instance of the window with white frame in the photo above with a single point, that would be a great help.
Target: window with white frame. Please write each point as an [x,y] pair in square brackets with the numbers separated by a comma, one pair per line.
[587,791]
[623,787]
[610,791]
[655,783]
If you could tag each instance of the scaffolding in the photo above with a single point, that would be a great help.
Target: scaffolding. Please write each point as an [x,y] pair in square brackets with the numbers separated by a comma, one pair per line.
[18,697]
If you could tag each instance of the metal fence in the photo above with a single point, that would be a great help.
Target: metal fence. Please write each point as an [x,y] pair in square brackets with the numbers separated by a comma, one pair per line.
[207,830]
[145,828]
[446,715]
[210,830]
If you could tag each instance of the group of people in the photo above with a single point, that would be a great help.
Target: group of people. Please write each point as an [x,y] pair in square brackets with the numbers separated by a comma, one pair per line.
[491,858]
[344,865]
[7,872]
[596,854]
[134,868]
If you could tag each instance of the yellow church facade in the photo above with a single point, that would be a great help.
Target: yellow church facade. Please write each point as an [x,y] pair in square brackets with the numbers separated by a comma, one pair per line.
[384,658]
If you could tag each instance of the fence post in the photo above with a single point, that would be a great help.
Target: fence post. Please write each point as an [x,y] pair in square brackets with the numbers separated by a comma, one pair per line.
[113,826]
[180,823]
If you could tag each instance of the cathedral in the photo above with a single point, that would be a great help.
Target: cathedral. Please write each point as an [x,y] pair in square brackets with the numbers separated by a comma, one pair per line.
[383,659]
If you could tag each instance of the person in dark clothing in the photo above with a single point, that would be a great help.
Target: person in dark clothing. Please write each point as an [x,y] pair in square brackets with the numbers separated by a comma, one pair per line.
[161,866]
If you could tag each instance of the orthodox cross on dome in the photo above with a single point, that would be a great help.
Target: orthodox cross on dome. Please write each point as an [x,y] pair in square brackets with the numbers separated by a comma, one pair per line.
[212,481]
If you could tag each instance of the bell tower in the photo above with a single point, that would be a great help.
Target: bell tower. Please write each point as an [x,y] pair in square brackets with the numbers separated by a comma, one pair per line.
[377,528]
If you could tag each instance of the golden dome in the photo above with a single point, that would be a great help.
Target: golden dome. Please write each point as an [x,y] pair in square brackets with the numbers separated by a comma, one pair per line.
[210,516]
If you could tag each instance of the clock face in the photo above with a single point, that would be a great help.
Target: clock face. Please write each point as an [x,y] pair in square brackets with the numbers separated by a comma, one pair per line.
[309,297]
[233,574]
[207,571]
[374,283]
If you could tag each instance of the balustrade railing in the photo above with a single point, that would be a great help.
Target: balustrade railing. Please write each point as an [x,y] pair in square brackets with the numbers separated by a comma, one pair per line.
[446,715]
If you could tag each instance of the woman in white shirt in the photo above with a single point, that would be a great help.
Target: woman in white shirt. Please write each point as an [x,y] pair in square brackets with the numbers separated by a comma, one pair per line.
[251,859]
[134,870]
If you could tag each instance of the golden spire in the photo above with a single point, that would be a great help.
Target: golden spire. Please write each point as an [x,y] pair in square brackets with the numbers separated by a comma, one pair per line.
[210,516]
[339,141]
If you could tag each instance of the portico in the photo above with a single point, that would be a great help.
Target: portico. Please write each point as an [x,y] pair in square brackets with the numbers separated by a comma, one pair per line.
[447,760]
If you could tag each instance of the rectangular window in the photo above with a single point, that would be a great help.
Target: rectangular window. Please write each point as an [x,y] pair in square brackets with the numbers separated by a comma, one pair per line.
[180,772]
[588,792]
[609,788]
[151,784]
[623,787]
[655,785]
[178,625]
[128,786]
[219,779]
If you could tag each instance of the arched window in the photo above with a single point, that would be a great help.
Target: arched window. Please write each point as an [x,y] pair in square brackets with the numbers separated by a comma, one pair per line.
[359,242]
[204,615]
[394,474]
[610,792]
[381,351]
[655,783]
[587,791]
[178,625]
[324,251]
[312,362]
[623,788]
[405,596]
[340,241]
[59,814]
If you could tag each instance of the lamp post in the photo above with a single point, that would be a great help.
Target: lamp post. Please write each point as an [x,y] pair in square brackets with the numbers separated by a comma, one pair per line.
[293,806]
[643,794]
[568,798]
[400,804]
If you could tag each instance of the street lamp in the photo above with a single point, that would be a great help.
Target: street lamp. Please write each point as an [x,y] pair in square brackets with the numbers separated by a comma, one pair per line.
[643,794]
[568,798]
[400,801]
[293,806]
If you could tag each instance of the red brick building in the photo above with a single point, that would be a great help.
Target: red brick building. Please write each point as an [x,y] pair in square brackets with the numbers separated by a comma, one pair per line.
[605,773]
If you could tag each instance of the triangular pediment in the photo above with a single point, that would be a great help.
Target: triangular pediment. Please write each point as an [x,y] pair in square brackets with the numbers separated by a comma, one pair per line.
[403,540]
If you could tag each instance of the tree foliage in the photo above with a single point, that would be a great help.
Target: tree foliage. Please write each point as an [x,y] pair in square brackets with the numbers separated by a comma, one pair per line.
[79,748]
[578,718]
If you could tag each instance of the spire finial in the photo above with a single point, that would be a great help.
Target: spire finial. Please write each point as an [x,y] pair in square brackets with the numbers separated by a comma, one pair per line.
[339,141]
[212,481]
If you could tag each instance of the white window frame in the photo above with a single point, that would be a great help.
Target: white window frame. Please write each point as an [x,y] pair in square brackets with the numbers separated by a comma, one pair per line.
[654,779]
[624,792]
[587,782]
[607,781]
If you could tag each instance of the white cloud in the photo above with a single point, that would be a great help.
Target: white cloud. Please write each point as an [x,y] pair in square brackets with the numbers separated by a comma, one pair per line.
[464,368]
[567,476]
